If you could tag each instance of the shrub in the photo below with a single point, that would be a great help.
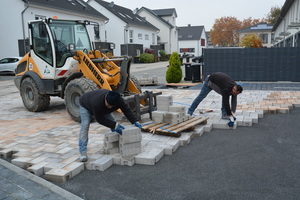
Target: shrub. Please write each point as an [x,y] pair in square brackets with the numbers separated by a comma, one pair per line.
[162,53]
[174,72]
[147,58]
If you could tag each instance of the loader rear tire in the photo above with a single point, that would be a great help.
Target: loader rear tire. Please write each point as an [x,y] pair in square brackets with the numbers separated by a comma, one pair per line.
[32,99]
[74,90]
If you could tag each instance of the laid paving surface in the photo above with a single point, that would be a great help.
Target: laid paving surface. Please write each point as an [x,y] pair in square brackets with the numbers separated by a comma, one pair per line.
[48,141]
[253,162]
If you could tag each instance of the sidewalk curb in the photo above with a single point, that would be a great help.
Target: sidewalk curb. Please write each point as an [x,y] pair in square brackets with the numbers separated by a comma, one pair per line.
[50,186]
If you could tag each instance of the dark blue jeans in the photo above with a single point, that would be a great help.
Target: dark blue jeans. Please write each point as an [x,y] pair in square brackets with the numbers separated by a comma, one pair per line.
[203,93]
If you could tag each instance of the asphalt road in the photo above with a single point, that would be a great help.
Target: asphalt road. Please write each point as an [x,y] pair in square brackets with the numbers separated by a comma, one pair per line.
[258,162]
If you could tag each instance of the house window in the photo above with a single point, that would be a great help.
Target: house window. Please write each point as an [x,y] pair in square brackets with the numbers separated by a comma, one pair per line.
[146,37]
[202,42]
[190,35]
[187,50]
[140,35]
[130,36]
[264,38]
[153,38]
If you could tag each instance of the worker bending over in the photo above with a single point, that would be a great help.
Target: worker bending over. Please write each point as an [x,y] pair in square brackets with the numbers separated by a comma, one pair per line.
[225,86]
[101,103]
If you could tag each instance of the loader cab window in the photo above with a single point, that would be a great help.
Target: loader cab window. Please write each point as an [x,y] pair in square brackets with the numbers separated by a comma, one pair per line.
[66,34]
[41,42]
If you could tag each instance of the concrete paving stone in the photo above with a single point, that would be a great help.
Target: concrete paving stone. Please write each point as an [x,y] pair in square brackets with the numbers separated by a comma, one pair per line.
[174,143]
[75,168]
[111,150]
[116,158]
[168,149]
[198,131]
[247,121]
[38,169]
[58,175]
[130,135]
[21,162]
[240,120]
[112,137]
[111,145]
[283,110]
[208,127]
[102,163]
[185,139]
[6,153]
[254,117]
[128,160]
[150,157]
[130,149]
[260,113]
[69,160]
[53,165]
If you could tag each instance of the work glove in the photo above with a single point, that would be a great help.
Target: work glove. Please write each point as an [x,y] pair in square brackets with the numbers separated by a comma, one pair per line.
[119,128]
[138,125]
[231,122]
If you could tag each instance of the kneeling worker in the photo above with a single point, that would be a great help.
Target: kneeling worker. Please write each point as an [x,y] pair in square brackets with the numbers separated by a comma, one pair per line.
[101,103]
[225,86]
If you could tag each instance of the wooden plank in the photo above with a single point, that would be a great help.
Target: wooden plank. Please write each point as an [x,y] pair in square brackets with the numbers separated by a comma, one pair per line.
[153,125]
[191,125]
[174,130]
[174,126]
[183,126]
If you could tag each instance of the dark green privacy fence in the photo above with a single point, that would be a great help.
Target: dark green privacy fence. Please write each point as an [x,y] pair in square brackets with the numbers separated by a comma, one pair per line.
[254,64]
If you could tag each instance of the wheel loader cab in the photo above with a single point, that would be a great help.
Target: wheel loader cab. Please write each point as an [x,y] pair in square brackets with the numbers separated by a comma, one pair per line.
[52,42]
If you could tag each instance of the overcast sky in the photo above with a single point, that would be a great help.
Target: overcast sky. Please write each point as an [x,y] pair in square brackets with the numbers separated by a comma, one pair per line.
[204,12]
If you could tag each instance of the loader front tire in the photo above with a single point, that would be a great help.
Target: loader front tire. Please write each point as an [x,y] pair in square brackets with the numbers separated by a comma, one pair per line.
[32,99]
[74,90]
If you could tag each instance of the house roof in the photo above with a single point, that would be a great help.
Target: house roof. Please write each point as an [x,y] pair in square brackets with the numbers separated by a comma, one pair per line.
[157,16]
[190,32]
[284,10]
[165,12]
[257,28]
[74,6]
[126,15]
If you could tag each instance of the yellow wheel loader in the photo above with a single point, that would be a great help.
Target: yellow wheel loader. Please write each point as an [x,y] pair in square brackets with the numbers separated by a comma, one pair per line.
[61,62]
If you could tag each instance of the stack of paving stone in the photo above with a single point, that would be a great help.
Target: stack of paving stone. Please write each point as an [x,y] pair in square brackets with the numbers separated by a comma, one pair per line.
[167,112]
[127,144]
[148,80]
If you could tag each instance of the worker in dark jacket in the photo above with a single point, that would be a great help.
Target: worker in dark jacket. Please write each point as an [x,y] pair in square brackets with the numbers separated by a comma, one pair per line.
[101,103]
[225,86]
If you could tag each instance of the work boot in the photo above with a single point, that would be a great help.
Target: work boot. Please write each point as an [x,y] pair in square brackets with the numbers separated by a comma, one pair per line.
[83,157]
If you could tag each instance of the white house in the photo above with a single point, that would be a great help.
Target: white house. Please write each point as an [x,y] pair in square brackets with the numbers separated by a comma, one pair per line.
[287,27]
[125,27]
[262,30]
[165,20]
[192,40]
[15,14]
